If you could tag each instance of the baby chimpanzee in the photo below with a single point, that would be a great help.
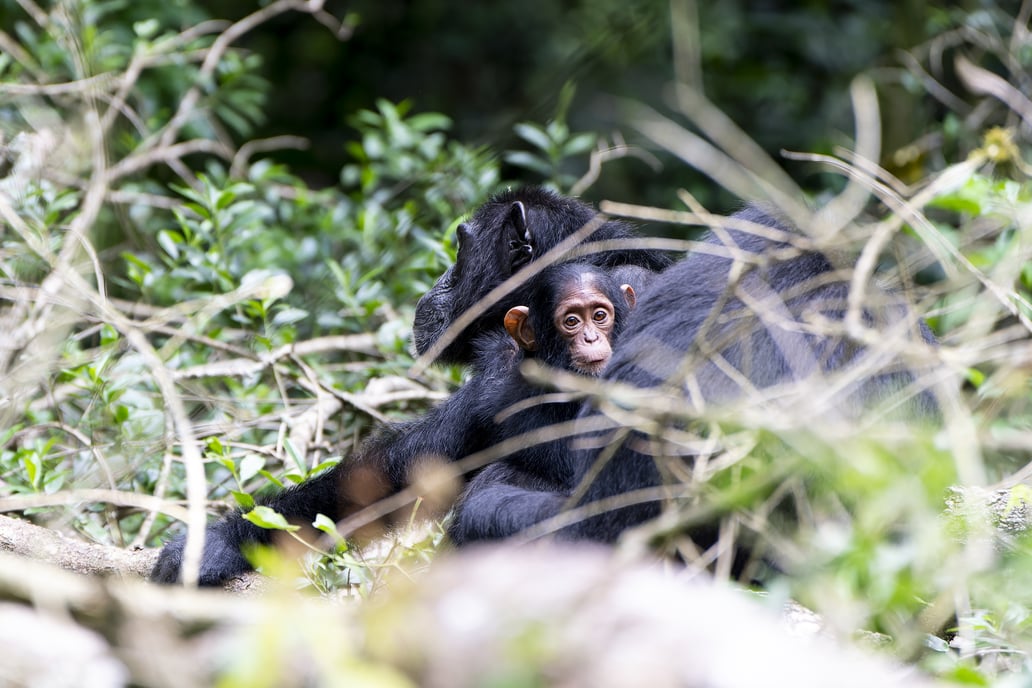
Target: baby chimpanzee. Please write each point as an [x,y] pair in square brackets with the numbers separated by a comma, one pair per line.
[576,315]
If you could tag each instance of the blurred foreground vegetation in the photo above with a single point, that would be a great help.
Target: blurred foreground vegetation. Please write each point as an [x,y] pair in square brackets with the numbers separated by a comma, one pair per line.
[187,320]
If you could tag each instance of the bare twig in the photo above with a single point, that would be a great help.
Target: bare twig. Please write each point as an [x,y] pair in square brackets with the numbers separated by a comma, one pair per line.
[606,153]
[80,86]
[72,497]
[243,156]
[983,81]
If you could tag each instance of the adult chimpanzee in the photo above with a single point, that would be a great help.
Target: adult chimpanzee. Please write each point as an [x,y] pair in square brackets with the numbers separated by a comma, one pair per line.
[504,234]
[573,318]
[764,321]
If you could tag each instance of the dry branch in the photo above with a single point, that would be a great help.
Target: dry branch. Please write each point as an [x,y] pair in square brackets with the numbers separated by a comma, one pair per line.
[28,540]
[37,546]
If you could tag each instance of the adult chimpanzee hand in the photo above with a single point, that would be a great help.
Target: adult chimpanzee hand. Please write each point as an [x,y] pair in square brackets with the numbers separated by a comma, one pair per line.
[221,559]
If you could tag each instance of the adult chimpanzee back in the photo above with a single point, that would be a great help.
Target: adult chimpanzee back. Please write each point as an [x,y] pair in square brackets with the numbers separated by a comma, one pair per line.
[762,320]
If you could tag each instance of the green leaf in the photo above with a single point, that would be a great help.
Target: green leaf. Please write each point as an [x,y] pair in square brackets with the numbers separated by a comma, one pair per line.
[244,500]
[557,130]
[1026,276]
[143,266]
[325,524]
[289,315]
[975,376]
[534,135]
[566,94]
[108,334]
[298,459]
[323,466]
[580,143]
[201,209]
[146,28]
[373,146]
[529,161]
[967,676]
[958,204]
[226,463]
[264,517]
[272,479]
[429,121]
[33,468]
[224,199]
[250,466]
[169,241]
[6,435]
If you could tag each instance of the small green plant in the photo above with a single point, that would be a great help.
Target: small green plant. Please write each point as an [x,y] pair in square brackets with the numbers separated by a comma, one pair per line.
[553,146]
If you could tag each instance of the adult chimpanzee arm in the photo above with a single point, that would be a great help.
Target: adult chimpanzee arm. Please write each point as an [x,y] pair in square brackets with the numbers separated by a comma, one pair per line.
[383,467]
[505,500]
[222,558]
[497,506]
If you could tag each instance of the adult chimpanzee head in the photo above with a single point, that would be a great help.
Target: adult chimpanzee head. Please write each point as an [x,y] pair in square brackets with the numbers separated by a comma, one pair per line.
[504,234]
[574,318]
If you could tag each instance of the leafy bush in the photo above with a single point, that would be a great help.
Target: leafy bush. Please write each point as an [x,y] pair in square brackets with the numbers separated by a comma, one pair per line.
[218,262]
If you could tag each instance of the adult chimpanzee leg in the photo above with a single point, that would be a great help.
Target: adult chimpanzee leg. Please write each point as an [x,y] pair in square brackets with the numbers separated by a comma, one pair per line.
[222,558]
[502,501]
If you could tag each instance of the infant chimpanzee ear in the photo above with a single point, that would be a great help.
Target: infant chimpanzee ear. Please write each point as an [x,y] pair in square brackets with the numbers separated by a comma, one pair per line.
[628,292]
[517,324]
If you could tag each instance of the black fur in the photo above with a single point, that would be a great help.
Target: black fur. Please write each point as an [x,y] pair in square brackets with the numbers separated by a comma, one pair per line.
[684,316]
[669,343]
[493,244]
[462,425]
[543,466]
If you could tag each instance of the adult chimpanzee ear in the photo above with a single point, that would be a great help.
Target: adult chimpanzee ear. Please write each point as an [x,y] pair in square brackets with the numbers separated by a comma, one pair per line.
[462,234]
[628,292]
[520,248]
[517,324]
